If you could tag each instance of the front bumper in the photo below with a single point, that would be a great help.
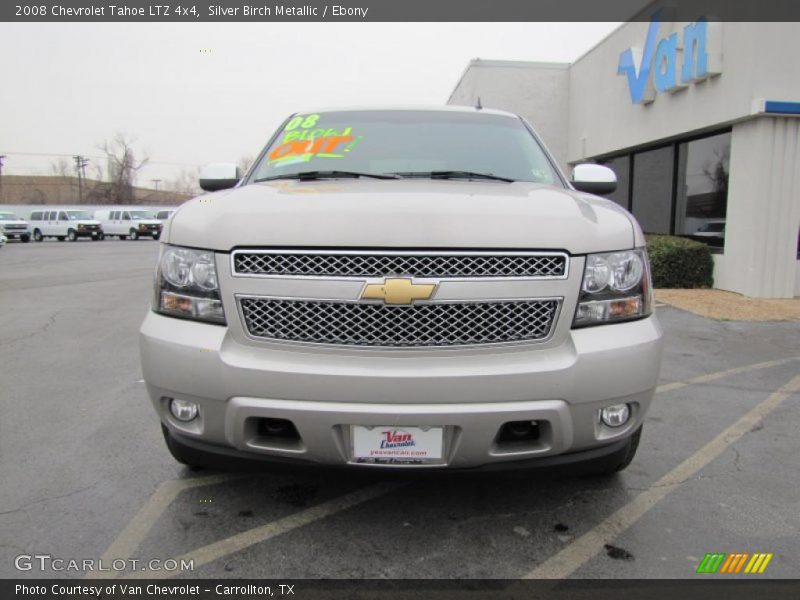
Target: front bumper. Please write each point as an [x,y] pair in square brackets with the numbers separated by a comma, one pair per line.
[83,232]
[154,230]
[470,393]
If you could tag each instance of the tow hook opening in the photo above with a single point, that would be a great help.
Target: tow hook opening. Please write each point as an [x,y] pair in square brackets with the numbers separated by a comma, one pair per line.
[516,437]
[518,431]
[277,428]
[270,433]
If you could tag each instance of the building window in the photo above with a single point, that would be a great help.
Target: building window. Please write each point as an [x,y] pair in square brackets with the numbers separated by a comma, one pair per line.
[652,189]
[702,194]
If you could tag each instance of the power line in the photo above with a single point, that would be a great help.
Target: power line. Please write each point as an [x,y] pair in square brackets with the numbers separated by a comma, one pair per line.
[99,157]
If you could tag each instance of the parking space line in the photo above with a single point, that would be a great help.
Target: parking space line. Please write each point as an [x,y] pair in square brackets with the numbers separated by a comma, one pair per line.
[568,560]
[240,541]
[141,524]
[708,377]
[144,520]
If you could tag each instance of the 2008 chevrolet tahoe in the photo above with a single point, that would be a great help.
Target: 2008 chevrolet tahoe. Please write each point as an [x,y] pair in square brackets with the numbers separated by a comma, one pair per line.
[403,288]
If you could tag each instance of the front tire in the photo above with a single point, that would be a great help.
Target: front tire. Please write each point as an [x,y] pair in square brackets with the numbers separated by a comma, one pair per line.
[60,238]
[37,235]
[622,460]
[134,235]
[187,455]
[123,237]
[25,238]
[71,235]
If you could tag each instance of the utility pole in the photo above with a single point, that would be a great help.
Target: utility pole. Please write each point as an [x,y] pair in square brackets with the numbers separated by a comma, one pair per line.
[2,156]
[80,167]
[155,183]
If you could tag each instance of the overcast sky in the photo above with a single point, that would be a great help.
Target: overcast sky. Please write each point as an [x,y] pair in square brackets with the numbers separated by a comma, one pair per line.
[196,93]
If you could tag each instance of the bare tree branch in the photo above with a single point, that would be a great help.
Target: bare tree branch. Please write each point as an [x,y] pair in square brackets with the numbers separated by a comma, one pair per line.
[122,167]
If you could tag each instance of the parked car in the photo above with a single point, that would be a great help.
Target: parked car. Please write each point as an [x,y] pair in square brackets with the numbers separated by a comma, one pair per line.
[711,232]
[64,224]
[711,229]
[3,238]
[14,227]
[406,288]
[129,223]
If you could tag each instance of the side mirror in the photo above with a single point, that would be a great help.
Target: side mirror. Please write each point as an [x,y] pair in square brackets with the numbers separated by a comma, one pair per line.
[595,179]
[219,176]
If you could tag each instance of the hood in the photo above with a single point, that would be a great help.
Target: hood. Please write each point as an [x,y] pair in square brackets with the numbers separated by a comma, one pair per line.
[402,214]
[148,221]
[87,222]
[14,222]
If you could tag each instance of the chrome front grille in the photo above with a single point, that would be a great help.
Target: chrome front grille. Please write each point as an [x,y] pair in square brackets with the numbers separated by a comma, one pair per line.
[373,324]
[439,265]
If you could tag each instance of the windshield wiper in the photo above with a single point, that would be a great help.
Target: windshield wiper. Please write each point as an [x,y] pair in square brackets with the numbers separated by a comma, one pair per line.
[312,175]
[457,175]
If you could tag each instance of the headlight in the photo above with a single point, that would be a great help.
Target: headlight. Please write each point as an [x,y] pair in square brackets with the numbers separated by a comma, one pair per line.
[616,287]
[187,285]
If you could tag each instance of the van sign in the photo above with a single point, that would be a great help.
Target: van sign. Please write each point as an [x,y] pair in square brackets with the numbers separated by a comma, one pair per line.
[672,63]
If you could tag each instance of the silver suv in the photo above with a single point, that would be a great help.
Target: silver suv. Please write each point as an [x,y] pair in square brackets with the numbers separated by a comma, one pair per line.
[403,288]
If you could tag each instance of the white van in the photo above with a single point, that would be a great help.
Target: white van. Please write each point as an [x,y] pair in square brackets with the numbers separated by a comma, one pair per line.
[164,215]
[128,223]
[64,224]
[15,227]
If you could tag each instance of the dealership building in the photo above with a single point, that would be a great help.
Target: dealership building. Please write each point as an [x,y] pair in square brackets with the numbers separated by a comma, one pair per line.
[700,122]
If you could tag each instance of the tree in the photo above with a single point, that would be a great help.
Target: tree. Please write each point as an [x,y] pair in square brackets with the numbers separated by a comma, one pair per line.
[717,174]
[245,161]
[717,171]
[185,183]
[61,168]
[122,167]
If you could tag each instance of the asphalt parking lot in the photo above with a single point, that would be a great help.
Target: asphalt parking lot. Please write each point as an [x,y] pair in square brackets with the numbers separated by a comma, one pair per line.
[85,473]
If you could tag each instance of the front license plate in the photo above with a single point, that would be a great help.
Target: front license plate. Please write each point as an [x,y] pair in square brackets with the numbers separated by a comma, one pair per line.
[404,443]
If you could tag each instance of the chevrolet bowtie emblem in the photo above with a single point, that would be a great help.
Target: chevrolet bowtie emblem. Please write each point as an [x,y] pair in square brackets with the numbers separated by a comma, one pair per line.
[398,291]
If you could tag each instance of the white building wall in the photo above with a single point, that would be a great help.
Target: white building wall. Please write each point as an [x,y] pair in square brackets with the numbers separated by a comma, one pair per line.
[797,280]
[602,118]
[539,92]
[763,214]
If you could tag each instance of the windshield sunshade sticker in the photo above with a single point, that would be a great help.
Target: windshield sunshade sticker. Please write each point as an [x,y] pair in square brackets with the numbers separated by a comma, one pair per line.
[301,141]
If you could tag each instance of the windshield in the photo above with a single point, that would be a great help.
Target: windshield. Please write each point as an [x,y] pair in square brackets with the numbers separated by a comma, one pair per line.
[75,215]
[6,216]
[407,143]
[138,215]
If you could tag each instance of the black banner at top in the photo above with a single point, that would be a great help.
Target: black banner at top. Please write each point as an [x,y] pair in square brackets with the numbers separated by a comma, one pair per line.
[391,10]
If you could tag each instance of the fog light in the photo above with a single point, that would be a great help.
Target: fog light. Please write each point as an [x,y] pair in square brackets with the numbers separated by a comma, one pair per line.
[183,410]
[615,416]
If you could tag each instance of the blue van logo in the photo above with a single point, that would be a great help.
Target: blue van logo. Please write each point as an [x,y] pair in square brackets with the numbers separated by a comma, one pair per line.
[656,68]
